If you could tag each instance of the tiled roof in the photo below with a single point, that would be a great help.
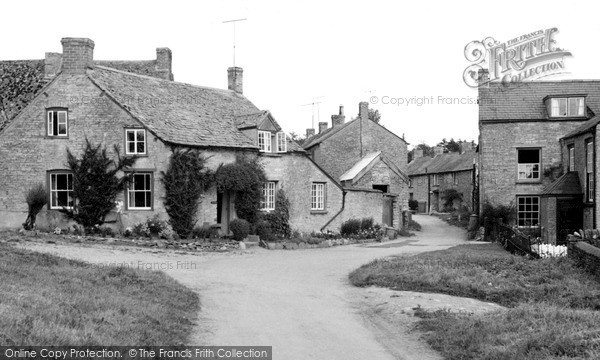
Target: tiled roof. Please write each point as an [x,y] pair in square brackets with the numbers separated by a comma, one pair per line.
[250,120]
[524,100]
[140,67]
[178,113]
[20,82]
[447,162]
[568,184]
[586,126]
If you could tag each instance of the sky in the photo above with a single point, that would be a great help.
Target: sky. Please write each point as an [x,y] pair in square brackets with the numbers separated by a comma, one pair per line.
[331,53]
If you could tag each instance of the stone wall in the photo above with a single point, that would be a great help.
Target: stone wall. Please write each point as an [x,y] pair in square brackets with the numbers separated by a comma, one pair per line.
[586,256]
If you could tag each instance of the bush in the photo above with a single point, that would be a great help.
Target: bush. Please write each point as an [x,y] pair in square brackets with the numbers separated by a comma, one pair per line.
[280,217]
[413,225]
[95,183]
[240,229]
[350,227]
[36,199]
[504,212]
[264,231]
[413,204]
[449,195]
[204,232]
[366,224]
[185,181]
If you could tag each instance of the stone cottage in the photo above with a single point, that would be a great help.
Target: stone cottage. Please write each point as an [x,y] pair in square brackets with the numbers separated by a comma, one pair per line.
[431,178]
[364,156]
[51,105]
[537,152]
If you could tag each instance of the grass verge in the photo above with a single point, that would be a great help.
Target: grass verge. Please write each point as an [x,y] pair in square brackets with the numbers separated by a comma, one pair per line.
[552,305]
[48,300]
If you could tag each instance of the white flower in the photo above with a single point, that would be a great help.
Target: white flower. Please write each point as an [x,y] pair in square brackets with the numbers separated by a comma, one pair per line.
[119,206]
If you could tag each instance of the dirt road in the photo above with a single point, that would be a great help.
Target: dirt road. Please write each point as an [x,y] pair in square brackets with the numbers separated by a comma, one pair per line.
[300,302]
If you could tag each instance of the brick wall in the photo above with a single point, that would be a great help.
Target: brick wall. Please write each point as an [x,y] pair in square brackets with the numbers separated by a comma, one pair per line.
[498,156]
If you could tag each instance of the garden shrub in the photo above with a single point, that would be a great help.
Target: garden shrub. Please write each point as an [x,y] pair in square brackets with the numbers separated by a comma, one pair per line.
[185,180]
[413,204]
[280,217]
[449,195]
[366,224]
[95,183]
[350,227]
[240,229]
[36,199]
[245,177]
[504,212]
[204,232]
[264,231]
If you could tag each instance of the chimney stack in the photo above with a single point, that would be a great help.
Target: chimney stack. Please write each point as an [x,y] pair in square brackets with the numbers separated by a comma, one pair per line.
[339,119]
[52,65]
[164,59]
[235,79]
[77,56]
[310,132]
[466,146]
[418,153]
[438,150]
[322,127]
[363,110]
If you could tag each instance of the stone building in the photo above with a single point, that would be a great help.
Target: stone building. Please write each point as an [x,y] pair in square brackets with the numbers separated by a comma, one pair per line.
[363,155]
[55,104]
[537,152]
[430,178]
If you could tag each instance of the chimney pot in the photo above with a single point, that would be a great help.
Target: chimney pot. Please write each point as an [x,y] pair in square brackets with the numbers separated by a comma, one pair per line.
[337,120]
[77,56]
[235,79]
[322,127]
[341,109]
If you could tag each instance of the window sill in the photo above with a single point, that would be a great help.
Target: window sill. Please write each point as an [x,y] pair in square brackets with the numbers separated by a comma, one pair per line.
[56,137]
[140,209]
[533,182]
[271,154]
[318,211]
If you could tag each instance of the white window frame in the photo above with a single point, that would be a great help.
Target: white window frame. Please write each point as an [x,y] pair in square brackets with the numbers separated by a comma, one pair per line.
[135,142]
[435,180]
[50,123]
[281,142]
[317,196]
[131,191]
[54,190]
[571,150]
[267,203]
[526,210]
[264,141]
[523,169]
[574,106]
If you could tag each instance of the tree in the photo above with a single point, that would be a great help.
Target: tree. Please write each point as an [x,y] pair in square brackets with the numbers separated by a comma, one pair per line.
[36,199]
[374,115]
[297,138]
[185,180]
[95,183]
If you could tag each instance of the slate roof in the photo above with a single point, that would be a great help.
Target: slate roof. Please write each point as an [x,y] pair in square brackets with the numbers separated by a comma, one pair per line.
[140,67]
[447,162]
[568,184]
[585,127]
[251,120]
[20,82]
[359,166]
[176,112]
[524,100]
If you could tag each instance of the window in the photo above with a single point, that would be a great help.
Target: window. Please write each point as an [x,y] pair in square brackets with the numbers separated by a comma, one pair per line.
[61,190]
[264,141]
[318,196]
[139,192]
[528,164]
[410,183]
[567,107]
[589,170]
[454,179]
[436,181]
[57,123]
[268,199]
[281,142]
[528,211]
[135,141]
[571,158]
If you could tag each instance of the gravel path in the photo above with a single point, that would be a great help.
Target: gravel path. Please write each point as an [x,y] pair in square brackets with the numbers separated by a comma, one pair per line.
[300,302]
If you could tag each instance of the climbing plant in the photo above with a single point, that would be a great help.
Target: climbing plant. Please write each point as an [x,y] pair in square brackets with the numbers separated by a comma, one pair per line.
[280,217]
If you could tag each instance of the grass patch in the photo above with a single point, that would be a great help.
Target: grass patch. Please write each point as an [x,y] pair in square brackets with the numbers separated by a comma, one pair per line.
[48,300]
[552,304]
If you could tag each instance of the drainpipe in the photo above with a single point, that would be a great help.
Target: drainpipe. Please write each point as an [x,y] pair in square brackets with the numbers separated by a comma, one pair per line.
[428,192]
[336,214]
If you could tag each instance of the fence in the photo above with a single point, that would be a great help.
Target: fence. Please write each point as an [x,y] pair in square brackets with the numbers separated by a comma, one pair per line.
[511,239]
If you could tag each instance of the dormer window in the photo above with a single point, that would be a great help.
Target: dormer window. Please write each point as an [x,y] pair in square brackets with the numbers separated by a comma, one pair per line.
[281,142]
[566,106]
[57,123]
[264,141]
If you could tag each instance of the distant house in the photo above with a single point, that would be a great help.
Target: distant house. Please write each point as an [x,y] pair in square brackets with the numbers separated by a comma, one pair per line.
[538,152]
[431,178]
[53,104]
[362,155]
